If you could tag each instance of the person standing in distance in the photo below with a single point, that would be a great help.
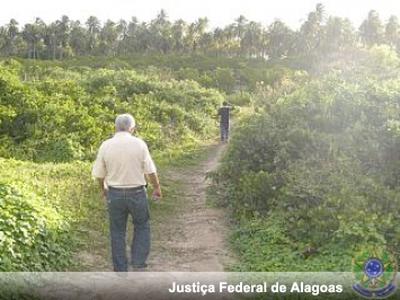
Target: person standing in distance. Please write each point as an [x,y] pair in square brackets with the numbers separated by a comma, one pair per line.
[224,113]
[122,165]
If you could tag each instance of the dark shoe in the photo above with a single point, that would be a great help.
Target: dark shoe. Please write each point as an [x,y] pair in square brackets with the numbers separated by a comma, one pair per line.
[139,268]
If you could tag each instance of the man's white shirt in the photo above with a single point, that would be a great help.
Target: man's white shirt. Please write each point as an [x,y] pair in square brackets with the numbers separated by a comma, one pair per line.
[123,161]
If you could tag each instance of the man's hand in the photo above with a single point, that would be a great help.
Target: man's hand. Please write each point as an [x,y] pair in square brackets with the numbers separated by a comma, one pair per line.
[153,178]
[157,193]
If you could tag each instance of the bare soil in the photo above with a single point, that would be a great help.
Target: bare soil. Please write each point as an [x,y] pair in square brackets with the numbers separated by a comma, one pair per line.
[195,238]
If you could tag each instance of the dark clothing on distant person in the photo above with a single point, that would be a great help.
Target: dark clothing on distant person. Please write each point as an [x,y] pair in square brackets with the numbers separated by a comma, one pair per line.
[224,113]
[224,132]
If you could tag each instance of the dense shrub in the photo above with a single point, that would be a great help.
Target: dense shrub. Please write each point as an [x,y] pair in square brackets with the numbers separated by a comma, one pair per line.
[241,99]
[227,74]
[33,236]
[316,174]
[65,116]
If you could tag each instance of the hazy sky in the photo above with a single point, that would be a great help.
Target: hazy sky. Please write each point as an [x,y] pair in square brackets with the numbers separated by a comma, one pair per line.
[219,12]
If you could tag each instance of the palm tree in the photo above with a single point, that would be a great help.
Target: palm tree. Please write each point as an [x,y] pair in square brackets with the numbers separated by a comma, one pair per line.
[130,43]
[240,24]
[194,34]
[218,41]
[10,36]
[63,34]
[108,38]
[392,32]
[122,40]
[51,40]
[280,40]
[200,27]
[251,41]
[33,35]
[179,31]
[160,31]
[339,34]
[78,38]
[371,30]
[320,12]
[93,30]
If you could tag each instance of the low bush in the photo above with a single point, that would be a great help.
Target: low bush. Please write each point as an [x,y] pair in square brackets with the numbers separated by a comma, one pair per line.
[33,236]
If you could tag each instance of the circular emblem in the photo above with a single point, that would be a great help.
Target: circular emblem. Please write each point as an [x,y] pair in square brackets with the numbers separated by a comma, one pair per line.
[373,268]
[375,272]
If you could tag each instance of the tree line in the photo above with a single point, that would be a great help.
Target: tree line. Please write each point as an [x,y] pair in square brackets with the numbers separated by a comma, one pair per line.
[319,33]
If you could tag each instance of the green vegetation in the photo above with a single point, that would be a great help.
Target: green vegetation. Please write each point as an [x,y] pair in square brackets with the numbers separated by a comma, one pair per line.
[311,174]
[52,123]
[230,75]
[43,209]
[315,174]
[65,115]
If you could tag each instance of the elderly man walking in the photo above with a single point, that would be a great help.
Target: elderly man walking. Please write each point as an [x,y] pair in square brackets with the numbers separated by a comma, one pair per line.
[122,165]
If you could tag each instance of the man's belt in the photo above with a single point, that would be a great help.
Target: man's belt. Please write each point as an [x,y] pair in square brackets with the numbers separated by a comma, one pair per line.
[121,188]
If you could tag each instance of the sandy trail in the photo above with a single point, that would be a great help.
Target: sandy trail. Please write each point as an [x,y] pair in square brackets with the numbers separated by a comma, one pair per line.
[194,239]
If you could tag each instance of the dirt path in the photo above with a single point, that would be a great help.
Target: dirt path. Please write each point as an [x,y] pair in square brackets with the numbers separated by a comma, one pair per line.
[187,233]
[194,238]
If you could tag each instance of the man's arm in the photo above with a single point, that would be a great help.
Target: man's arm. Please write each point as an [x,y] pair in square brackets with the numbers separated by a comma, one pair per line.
[150,172]
[99,170]
[155,183]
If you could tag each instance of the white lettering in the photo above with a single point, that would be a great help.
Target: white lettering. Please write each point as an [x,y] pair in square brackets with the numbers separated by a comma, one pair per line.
[195,287]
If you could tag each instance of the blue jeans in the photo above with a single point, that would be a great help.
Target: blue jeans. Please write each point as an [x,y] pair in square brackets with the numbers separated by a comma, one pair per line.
[121,203]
